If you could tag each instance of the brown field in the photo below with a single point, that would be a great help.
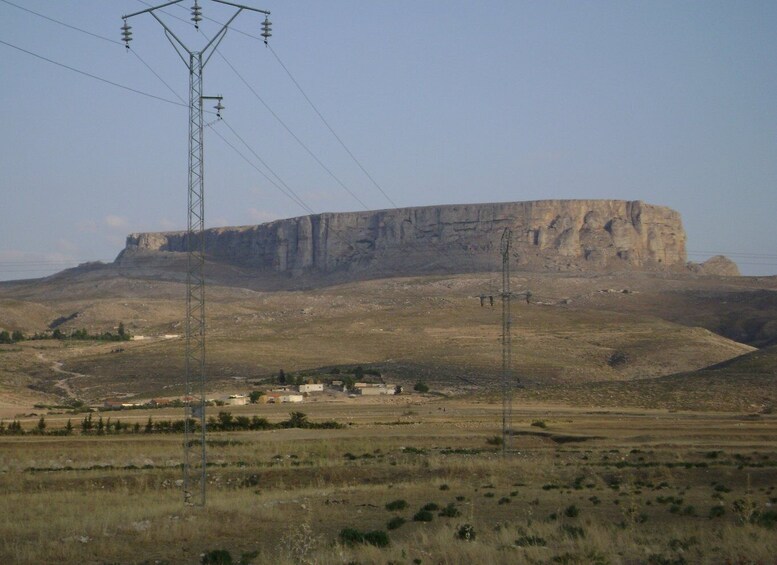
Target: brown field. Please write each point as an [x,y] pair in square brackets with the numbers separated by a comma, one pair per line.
[580,486]
[644,431]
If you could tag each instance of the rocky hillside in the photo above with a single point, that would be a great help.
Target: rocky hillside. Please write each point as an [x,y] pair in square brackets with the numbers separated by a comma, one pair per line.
[548,235]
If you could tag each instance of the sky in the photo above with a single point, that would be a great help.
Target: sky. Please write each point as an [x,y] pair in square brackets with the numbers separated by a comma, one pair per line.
[368,105]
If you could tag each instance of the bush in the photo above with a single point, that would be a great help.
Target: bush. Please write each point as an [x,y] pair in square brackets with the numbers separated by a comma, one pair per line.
[766,519]
[423,516]
[352,537]
[717,512]
[450,511]
[216,557]
[395,522]
[531,541]
[539,424]
[420,386]
[398,504]
[572,511]
[378,538]
[431,506]
[574,532]
[466,532]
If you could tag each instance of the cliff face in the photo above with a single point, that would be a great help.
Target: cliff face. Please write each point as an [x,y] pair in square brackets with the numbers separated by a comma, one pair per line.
[558,235]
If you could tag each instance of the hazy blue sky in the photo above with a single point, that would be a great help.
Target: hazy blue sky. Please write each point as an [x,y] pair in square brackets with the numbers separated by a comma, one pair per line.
[673,103]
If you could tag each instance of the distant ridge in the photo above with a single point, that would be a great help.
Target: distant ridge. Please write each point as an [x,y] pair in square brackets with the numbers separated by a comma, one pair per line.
[548,235]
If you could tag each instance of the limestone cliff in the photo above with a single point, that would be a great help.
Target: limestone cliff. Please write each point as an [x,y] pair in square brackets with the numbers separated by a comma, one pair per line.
[558,235]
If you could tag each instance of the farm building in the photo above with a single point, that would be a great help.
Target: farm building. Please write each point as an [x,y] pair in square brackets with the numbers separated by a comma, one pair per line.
[377,390]
[236,400]
[281,397]
[318,387]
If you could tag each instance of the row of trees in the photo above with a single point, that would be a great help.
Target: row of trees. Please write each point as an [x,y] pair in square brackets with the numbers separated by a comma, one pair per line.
[348,376]
[225,422]
[16,336]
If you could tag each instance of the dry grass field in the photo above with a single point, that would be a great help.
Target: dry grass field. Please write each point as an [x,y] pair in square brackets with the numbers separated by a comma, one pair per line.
[577,329]
[644,431]
[580,486]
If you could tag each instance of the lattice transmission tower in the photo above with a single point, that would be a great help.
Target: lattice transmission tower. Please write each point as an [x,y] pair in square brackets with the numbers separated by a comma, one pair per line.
[507,385]
[194,476]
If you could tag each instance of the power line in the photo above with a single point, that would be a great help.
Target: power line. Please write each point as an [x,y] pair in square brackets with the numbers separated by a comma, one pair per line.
[90,75]
[285,189]
[326,123]
[296,138]
[96,35]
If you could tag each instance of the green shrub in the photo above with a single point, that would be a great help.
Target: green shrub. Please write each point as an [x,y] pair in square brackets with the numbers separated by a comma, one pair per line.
[395,522]
[716,512]
[431,506]
[421,386]
[378,538]
[572,511]
[216,557]
[450,511]
[398,504]
[352,537]
[423,516]
[574,532]
[766,519]
[531,541]
[539,424]
[466,532]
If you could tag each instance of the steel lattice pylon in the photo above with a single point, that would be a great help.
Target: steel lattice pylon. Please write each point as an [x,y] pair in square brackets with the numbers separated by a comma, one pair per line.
[194,396]
[507,388]
[194,467]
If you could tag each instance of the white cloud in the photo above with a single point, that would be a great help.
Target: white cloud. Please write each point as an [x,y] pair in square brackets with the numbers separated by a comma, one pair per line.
[116,222]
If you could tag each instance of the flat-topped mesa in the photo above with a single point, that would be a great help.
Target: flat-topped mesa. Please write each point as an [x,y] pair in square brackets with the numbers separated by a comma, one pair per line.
[555,235]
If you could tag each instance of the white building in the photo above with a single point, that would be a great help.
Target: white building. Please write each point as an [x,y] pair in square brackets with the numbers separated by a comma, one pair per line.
[281,397]
[236,400]
[318,387]
[378,390]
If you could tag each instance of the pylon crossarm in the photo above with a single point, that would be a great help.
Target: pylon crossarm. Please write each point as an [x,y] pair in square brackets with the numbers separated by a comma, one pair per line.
[214,42]
[265,12]
[151,10]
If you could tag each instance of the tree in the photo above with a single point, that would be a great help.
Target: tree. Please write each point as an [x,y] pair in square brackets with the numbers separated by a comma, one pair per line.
[5,337]
[298,420]
[41,425]
[281,377]
[69,427]
[421,386]
[255,396]
[58,334]
[226,422]
[17,336]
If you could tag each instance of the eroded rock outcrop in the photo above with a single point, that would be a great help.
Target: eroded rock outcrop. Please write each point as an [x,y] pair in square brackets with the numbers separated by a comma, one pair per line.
[717,265]
[557,235]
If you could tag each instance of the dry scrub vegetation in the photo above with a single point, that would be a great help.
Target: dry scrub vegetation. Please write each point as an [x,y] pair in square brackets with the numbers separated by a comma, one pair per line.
[580,487]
